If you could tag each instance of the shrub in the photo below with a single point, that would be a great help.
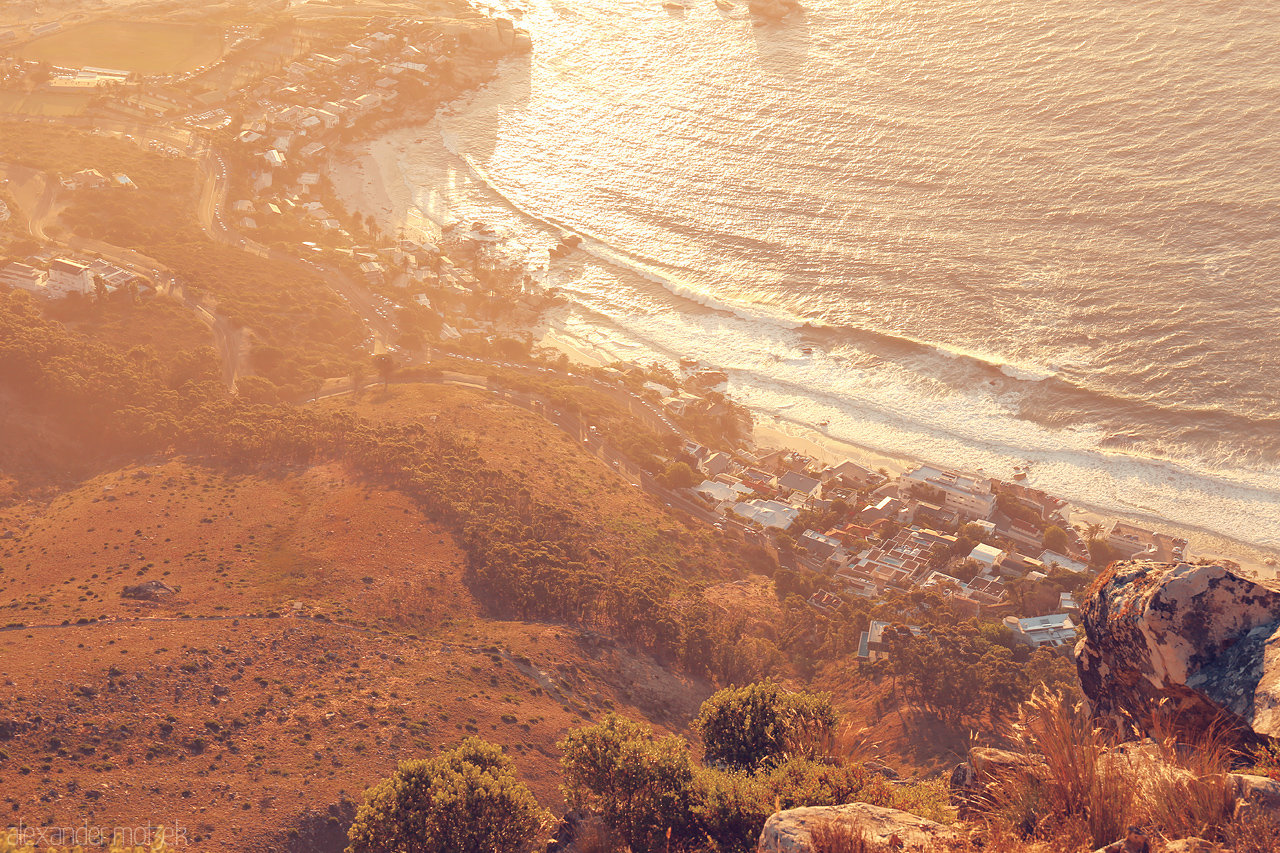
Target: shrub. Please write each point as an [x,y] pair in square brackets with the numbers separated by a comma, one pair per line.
[467,800]
[641,786]
[747,727]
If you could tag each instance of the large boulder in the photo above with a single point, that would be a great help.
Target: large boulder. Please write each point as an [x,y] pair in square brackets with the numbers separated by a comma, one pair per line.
[788,831]
[1199,641]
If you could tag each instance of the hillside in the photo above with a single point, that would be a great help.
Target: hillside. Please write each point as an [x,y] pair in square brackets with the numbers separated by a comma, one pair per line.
[321,630]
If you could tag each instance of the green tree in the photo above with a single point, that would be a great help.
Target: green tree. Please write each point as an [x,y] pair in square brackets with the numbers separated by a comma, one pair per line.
[679,476]
[386,367]
[1055,539]
[468,800]
[747,727]
[642,786]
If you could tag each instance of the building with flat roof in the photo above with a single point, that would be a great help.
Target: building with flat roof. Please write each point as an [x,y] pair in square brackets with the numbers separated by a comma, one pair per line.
[969,496]
[767,513]
[1053,558]
[1127,539]
[1054,631]
[66,276]
[987,556]
[24,277]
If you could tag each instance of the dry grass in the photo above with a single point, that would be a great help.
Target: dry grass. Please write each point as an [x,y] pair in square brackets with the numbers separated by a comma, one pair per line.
[1089,790]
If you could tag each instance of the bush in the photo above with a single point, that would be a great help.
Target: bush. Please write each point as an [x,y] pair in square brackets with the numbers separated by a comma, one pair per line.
[642,787]
[468,800]
[762,723]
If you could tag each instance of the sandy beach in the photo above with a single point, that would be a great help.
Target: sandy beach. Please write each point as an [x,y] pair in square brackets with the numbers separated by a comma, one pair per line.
[367,179]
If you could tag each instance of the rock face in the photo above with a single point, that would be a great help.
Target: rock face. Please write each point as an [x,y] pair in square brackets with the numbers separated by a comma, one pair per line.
[1199,637]
[788,831]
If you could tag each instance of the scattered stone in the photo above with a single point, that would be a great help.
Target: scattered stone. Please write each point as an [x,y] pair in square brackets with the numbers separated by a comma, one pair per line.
[149,591]
[1189,845]
[9,729]
[788,831]
[221,690]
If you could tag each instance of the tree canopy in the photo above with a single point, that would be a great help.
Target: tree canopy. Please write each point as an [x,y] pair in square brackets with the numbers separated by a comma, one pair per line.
[468,800]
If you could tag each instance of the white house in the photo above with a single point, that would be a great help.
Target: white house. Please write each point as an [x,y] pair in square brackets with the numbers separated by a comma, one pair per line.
[1053,631]
[69,277]
[767,513]
[969,496]
[1053,558]
[987,556]
[25,277]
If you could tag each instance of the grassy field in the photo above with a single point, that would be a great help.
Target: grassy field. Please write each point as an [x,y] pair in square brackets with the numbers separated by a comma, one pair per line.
[44,103]
[144,47]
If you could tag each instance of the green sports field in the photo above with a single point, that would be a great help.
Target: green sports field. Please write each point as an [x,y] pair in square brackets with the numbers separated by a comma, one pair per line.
[139,46]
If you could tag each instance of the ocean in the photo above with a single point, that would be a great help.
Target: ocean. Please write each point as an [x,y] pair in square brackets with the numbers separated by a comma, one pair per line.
[979,234]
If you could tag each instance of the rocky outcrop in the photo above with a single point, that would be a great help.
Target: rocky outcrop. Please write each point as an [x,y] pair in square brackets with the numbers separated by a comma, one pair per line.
[149,591]
[788,831]
[1201,639]
[986,770]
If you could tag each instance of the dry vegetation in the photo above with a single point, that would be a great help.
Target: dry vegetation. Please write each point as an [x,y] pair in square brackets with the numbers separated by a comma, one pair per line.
[320,633]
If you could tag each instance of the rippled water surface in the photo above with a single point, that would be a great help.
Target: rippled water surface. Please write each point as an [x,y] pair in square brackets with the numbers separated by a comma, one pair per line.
[977,233]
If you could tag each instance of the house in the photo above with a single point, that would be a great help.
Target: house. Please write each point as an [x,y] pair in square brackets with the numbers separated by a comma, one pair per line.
[819,545]
[86,179]
[1053,631]
[853,474]
[806,486]
[67,276]
[887,507]
[872,645]
[767,513]
[1052,558]
[311,149]
[969,496]
[932,514]
[661,390]
[716,463]
[823,601]
[895,564]
[25,277]
[987,556]
[1126,539]
[1024,534]
[275,158]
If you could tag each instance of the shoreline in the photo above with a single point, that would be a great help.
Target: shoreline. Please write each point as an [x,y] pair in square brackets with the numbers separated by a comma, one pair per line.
[369,179]
[774,433]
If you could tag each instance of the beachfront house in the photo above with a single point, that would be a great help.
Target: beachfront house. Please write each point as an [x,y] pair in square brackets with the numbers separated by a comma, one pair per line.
[968,496]
[1127,539]
[807,488]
